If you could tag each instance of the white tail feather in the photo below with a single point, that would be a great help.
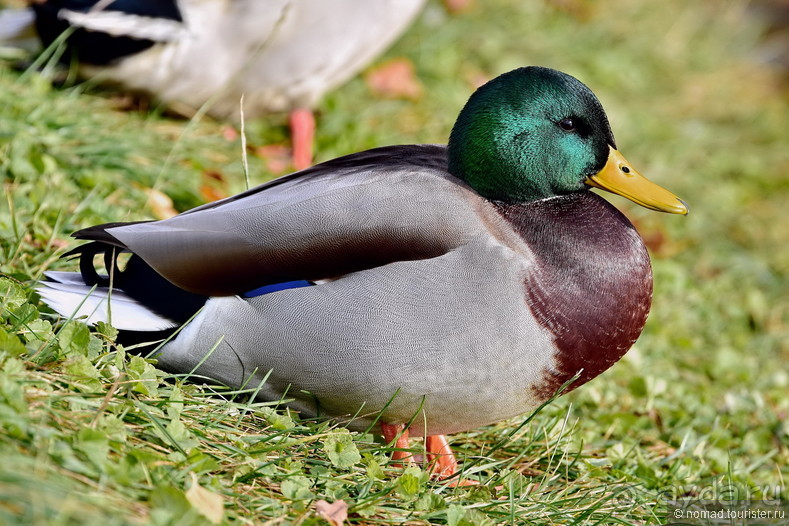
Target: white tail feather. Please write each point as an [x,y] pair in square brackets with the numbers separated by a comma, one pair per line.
[68,278]
[17,25]
[120,24]
[68,295]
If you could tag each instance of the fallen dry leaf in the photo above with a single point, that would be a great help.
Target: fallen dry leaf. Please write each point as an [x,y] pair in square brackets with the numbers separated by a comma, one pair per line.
[579,9]
[160,203]
[213,186]
[130,102]
[457,6]
[662,448]
[656,237]
[59,244]
[229,133]
[335,513]
[208,503]
[394,79]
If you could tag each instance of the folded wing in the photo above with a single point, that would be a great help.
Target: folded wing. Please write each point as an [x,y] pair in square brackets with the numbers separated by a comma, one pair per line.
[352,213]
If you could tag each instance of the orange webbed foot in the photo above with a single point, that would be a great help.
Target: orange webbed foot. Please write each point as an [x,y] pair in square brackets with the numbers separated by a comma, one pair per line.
[443,463]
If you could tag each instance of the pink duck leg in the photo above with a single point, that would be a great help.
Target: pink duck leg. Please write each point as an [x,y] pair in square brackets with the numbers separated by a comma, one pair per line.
[302,132]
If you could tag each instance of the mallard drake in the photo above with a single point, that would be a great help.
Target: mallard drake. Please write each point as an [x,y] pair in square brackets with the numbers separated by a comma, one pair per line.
[448,287]
[281,55]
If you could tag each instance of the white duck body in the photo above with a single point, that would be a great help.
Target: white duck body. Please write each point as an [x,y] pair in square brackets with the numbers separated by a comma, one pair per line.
[279,54]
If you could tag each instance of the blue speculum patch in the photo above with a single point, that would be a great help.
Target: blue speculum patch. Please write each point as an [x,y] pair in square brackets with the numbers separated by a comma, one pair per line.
[276,287]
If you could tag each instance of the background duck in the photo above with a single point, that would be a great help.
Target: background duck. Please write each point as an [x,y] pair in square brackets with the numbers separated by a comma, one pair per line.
[282,55]
[446,287]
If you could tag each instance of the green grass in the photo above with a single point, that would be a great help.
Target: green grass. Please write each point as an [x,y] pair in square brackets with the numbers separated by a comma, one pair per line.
[90,435]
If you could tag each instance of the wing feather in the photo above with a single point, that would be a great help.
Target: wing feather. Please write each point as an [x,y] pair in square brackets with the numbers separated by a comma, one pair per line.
[353,213]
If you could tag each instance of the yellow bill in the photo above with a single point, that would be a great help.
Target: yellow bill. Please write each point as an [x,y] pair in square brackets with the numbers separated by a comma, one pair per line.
[618,177]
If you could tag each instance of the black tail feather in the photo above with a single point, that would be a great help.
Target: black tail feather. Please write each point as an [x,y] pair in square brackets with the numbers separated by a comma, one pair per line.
[99,233]
[142,342]
[138,280]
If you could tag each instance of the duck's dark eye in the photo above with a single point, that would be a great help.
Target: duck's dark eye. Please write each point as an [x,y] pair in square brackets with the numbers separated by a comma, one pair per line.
[567,124]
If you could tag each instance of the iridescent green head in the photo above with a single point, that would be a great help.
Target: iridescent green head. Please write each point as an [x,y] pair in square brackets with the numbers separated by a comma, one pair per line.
[536,132]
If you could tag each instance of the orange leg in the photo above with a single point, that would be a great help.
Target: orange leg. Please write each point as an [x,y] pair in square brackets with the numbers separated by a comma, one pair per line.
[399,432]
[302,132]
[438,452]
[439,455]
[444,463]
